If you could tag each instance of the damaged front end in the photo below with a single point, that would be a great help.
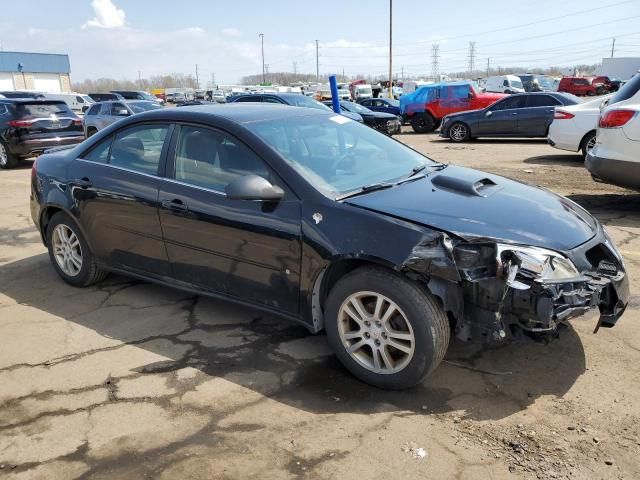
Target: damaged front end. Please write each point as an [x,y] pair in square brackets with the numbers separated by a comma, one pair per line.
[504,291]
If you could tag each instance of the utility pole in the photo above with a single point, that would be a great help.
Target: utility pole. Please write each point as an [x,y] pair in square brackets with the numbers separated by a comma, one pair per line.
[472,57]
[139,79]
[213,80]
[390,90]
[261,35]
[402,74]
[435,64]
[317,63]
[295,68]
[488,64]
[197,78]
[613,46]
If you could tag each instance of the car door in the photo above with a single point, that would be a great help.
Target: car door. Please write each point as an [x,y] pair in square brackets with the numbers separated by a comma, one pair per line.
[534,120]
[502,117]
[115,192]
[250,250]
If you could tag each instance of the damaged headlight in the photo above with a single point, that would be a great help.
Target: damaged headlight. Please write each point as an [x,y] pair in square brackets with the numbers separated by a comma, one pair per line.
[534,263]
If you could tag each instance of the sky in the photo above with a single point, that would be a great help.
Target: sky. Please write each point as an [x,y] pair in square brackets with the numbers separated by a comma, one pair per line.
[119,38]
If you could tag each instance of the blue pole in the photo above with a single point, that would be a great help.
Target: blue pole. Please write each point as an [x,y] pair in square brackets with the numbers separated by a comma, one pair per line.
[335,100]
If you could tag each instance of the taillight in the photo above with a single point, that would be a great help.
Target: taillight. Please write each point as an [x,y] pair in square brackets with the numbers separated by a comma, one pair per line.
[615,118]
[77,121]
[20,123]
[562,115]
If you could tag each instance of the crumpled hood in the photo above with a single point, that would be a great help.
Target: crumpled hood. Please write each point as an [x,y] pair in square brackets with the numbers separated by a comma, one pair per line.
[474,204]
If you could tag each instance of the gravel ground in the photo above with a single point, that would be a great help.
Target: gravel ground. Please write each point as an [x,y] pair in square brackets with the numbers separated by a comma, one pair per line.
[131,380]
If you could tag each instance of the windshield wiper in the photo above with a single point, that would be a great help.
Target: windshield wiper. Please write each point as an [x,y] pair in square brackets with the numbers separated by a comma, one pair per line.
[366,189]
[418,169]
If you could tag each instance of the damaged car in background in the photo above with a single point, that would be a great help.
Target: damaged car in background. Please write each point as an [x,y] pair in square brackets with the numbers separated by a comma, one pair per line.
[319,219]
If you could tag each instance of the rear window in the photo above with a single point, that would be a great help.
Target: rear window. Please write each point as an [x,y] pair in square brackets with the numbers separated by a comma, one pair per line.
[93,110]
[627,91]
[140,107]
[42,109]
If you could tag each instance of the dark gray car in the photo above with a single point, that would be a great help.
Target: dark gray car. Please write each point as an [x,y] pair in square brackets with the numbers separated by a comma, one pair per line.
[103,114]
[518,115]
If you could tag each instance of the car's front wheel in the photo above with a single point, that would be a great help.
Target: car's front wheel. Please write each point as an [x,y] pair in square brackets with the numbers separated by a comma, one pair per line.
[386,330]
[69,252]
[459,132]
[7,160]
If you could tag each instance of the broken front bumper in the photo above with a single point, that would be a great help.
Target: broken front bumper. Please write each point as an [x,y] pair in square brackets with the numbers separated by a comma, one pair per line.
[495,310]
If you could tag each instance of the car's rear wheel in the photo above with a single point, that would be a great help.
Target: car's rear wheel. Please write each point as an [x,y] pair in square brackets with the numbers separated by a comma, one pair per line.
[588,142]
[91,131]
[459,132]
[422,123]
[386,330]
[7,160]
[70,254]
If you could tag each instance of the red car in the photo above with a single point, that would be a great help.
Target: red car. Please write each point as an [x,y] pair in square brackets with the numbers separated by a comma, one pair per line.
[581,86]
[426,107]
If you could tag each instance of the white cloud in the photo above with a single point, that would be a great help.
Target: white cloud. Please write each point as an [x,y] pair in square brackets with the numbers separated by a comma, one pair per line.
[231,32]
[107,15]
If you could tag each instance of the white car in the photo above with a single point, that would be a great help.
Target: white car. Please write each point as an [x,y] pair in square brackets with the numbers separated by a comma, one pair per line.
[504,84]
[615,158]
[574,126]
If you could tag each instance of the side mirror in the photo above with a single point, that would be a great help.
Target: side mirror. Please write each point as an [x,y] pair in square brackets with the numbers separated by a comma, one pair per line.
[253,187]
[123,112]
[488,114]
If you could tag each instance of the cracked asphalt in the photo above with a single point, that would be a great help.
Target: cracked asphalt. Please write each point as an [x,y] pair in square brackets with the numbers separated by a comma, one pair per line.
[132,380]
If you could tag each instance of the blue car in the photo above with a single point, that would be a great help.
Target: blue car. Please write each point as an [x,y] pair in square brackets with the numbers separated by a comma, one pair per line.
[384,105]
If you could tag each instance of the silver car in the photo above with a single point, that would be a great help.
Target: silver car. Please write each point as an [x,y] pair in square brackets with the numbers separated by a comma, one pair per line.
[103,114]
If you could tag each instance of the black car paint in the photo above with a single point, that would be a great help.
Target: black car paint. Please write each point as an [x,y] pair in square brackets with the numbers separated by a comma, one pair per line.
[527,121]
[284,256]
[376,120]
[42,134]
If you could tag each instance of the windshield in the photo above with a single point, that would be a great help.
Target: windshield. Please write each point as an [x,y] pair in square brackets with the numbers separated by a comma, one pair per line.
[148,96]
[354,107]
[337,155]
[544,82]
[303,101]
[364,90]
[516,84]
[139,107]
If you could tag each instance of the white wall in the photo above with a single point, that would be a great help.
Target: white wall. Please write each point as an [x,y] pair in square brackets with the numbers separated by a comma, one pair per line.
[47,82]
[619,67]
[6,81]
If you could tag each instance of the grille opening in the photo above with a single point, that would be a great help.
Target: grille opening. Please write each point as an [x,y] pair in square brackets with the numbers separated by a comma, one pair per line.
[601,257]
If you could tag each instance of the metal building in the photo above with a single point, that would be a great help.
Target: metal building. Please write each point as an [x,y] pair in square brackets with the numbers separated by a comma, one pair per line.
[622,68]
[45,72]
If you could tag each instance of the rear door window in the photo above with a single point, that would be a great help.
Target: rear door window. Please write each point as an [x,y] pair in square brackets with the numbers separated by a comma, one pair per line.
[627,91]
[514,101]
[93,110]
[139,148]
[543,101]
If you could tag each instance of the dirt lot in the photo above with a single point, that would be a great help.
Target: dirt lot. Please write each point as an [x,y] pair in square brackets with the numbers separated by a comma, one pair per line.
[130,380]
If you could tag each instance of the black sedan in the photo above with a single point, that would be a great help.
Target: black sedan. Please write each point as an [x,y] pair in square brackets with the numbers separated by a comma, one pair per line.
[518,115]
[386,123]
[321,220]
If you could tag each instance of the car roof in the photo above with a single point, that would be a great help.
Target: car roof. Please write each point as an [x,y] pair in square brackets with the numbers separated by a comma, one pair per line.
[236,112]
[31,100]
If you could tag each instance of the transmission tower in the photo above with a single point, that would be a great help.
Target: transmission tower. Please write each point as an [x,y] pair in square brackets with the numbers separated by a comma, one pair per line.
[435,64]
[472,57]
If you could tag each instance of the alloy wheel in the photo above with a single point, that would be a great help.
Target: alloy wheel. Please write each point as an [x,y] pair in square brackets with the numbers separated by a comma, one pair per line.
[591,143]
[4,156]
[375,332]
[67,250]
[458,132]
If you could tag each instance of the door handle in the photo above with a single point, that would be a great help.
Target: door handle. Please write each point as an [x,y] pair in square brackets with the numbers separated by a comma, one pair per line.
[175,205]
[83,182]
[514,114]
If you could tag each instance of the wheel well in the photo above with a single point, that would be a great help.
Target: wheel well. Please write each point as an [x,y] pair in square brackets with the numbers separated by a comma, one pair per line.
[585,137]
[45,218]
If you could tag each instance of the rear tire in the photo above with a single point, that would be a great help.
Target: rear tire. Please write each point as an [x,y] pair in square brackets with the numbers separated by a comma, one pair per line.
[70,254]
[422,123]
[7,160]
[588,142]
[407,317]
[91,131]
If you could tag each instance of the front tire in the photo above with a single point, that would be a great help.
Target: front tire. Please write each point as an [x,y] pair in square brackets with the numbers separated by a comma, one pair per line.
[459,132]
[7,160]
[69,253]
[422,123]
[386,330]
